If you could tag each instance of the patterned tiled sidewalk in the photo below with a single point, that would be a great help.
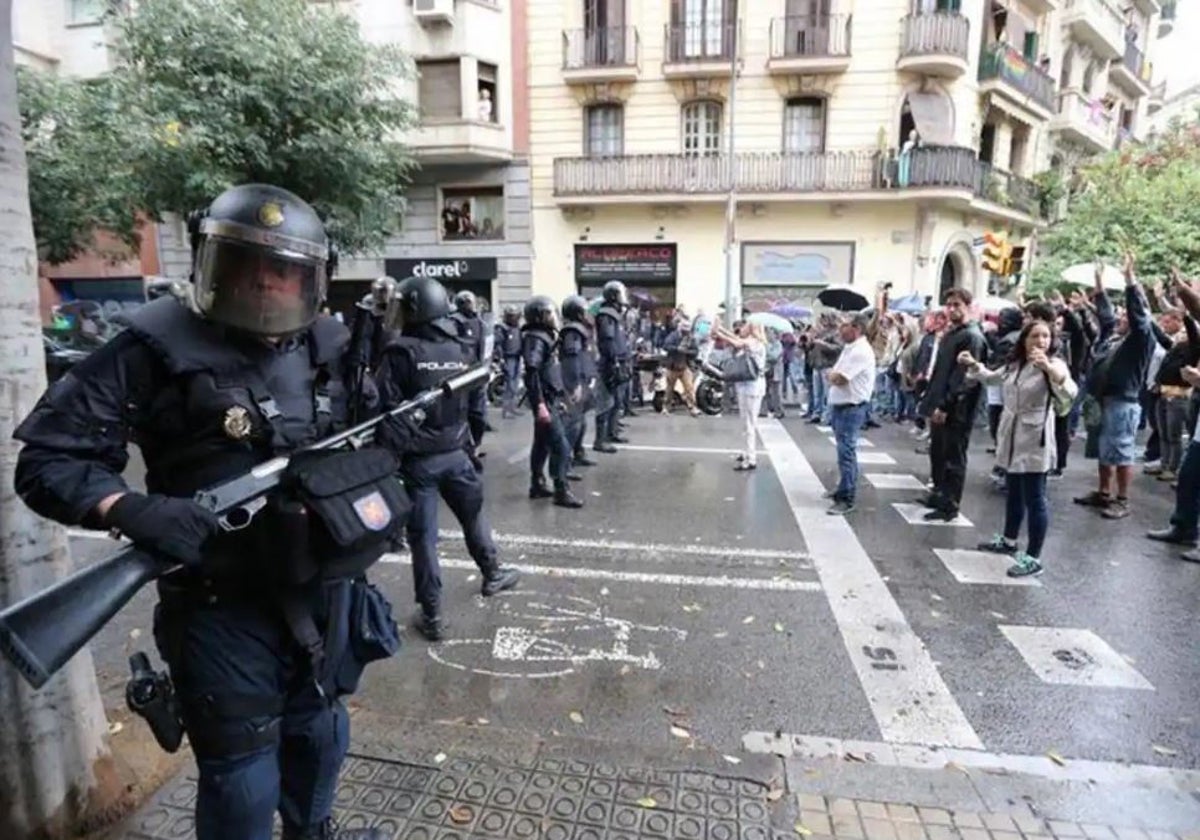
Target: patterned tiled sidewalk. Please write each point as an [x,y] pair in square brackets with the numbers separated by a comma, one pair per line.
[552,798]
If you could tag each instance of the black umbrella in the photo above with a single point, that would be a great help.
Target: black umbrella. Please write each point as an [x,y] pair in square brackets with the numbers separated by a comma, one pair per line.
[843,299]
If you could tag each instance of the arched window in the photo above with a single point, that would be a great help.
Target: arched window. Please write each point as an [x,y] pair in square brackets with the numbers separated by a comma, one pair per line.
[702,127]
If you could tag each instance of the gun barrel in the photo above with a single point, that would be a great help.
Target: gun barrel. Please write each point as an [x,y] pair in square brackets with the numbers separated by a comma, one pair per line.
[39,634]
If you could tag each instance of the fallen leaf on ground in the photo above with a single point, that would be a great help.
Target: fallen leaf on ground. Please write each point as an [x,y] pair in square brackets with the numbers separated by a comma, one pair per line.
[1056,758]
[460,815]
[936,597]
[482,721]
[135,633]
[855,758]
[691,608]
[676,712]
[115,727]
[802,831]
[748,620]
[575,717]
[595,492]
[647,802]
[762,665]
[999,616]
[439,758]
[1167,751]
[934,614]
[720,635]
[732,759]
[680,732]
[729,499]
[471,578]
[603,590]
[778,627]
[774,794]
[625,670]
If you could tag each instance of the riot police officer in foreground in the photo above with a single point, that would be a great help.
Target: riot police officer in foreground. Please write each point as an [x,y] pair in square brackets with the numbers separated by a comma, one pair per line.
[254,627]
[471,332]
[578,371]
[548,400]
[425,353]
[615,363]
[508,354]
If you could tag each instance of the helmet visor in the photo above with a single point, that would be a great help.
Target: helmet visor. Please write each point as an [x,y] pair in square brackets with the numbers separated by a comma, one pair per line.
[260,291]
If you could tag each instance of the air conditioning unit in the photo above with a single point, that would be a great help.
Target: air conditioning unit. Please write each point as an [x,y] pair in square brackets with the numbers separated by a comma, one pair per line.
[434,11]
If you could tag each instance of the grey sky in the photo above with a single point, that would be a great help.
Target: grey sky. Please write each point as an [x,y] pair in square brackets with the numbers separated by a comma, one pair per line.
[1175,56]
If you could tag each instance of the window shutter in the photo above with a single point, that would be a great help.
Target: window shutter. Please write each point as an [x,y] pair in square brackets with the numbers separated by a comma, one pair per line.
[439,90]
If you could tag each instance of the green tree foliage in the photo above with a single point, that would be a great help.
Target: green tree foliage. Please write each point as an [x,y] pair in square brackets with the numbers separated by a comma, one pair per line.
[79,175]
[206,94]
[1145,199]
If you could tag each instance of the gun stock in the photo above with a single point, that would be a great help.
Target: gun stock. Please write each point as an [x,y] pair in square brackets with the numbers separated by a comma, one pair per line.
[39,634]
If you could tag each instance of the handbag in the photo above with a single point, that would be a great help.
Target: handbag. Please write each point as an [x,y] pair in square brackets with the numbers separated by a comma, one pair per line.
[740,367]
[1062,405]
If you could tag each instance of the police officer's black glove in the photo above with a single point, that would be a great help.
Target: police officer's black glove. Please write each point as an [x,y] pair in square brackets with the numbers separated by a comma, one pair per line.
[166,525]
[397,433]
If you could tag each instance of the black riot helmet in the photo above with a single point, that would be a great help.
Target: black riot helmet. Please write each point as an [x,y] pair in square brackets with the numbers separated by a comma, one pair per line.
[615,294]
[575,308]
[419,300]
[261,260]
[464,304]
[541,312]
[512,315]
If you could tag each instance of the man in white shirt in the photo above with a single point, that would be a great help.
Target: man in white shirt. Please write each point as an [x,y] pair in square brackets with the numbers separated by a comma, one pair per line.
[851,385]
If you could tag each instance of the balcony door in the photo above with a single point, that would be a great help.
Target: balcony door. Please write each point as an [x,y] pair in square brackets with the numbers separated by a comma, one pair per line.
[702,28]
[806,29]
[604,32]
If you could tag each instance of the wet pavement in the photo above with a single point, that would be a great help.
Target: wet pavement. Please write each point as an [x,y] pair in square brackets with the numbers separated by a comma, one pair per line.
[729,607]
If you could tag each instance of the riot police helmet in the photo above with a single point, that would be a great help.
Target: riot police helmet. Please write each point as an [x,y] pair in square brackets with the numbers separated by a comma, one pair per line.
[261,260]
[512,315]
[575,308]
[419,300]
[541,312]
[615,294]
[465,304]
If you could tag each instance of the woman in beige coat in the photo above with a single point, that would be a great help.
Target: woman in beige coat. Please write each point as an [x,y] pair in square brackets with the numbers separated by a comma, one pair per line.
[1035,382]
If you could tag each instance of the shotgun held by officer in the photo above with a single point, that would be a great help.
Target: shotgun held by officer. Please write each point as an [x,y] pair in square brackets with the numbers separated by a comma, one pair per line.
[39,634]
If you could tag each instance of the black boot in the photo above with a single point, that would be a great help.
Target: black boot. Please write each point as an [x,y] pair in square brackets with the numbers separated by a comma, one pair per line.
[497,579]
[428,622]
[565,499]
[538,490]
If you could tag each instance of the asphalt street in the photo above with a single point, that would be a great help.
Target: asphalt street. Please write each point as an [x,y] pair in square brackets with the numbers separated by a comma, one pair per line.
[726,604]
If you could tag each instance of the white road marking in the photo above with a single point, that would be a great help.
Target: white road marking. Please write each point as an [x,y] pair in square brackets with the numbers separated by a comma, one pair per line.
[1067,656]
[644,550]
[909,699]
[916,756]
[915,515]
[521,454]
[686,450]
[876,458]
[863,443]
[981,567]
[707,581]
[894,481]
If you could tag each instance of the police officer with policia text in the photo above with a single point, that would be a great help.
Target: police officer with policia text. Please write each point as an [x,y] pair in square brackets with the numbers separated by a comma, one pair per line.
[616,365]
[434,457]
[471,332]
[508,354]
[578,371]
[548,400]
[256,624]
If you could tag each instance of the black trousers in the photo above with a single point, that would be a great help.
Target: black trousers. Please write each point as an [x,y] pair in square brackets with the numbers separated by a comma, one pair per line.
[1062,439]
[948,445]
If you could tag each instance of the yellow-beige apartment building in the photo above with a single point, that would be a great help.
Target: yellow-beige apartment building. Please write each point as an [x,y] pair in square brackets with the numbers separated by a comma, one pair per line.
[859,141]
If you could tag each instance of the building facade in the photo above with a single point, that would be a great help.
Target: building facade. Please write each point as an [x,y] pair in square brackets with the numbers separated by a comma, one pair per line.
[807,142]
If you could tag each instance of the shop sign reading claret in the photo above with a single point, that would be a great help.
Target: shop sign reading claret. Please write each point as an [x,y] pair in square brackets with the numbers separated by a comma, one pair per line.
[473,268]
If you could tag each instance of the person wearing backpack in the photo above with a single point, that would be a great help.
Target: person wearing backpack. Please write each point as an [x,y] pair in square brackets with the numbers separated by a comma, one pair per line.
[1036,386]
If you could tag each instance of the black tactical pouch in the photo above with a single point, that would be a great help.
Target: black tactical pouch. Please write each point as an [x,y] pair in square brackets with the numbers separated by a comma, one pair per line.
[372,635]
[356,506]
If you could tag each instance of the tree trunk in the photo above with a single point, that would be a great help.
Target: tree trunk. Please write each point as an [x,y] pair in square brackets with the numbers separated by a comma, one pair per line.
[56,774]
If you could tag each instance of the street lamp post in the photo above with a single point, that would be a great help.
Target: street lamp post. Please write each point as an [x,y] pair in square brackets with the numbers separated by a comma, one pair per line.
[731,313]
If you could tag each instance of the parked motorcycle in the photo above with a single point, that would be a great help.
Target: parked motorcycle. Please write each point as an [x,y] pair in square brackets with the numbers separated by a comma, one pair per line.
[710,387]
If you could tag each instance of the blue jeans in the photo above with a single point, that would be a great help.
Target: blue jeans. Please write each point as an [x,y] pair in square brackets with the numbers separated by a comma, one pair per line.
[848,421]
[512,376]
[1186,517]
[451,476]
[884,396]
[1027,496]
[906,408]
[820,395]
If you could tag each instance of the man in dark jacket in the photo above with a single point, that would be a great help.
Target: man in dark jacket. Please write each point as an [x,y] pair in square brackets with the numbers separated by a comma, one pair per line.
[950,403]
[1121,361]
